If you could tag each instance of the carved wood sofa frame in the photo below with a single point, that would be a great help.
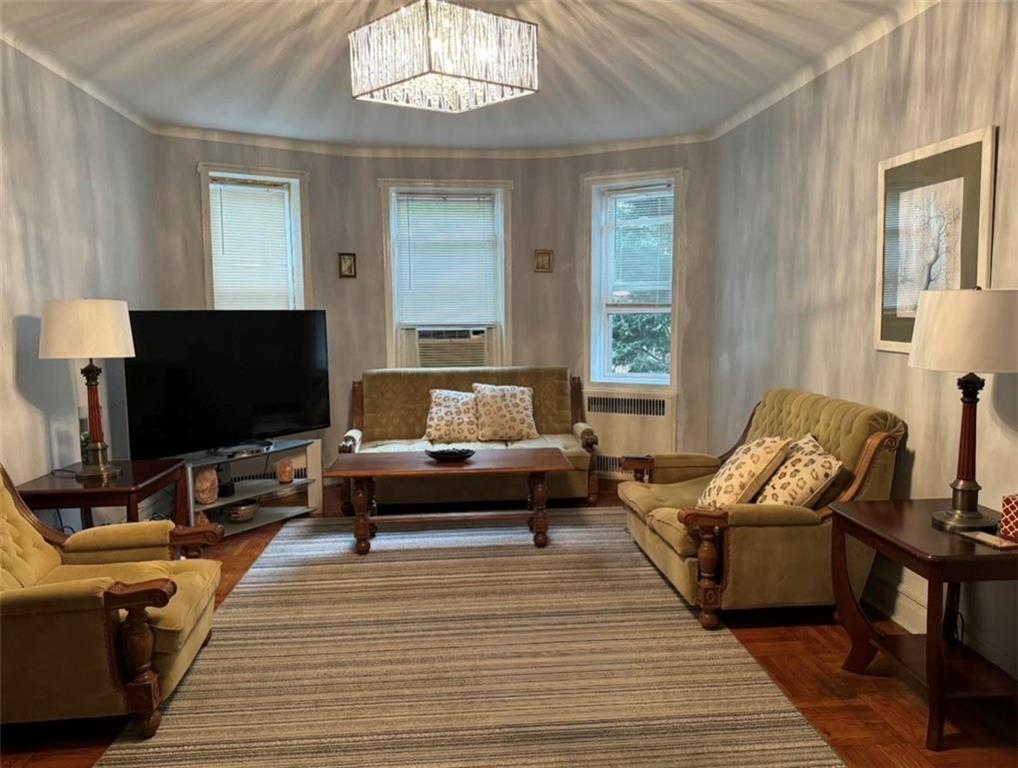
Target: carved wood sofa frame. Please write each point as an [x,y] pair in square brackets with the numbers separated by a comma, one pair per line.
[577,411]
[709,525]
[131,650]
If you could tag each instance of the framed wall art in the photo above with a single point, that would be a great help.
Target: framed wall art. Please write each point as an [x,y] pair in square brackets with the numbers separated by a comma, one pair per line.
[544,260]
[348,265]
[936,215]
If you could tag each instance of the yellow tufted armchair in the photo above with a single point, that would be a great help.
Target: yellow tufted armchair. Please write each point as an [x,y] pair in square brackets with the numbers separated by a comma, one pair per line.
[102,622]
[761,555]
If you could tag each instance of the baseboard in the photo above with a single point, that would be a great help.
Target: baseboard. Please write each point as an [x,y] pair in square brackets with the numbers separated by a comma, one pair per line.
[899,603]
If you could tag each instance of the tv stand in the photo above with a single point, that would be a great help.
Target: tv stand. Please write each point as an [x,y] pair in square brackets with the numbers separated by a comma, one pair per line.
[257,482]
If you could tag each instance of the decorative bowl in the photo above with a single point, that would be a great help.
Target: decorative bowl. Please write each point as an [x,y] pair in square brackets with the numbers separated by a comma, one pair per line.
[450,454]
[241,513]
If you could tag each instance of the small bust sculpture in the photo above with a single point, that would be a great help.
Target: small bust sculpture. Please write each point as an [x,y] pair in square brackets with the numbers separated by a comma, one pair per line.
[206,485]
[284,471]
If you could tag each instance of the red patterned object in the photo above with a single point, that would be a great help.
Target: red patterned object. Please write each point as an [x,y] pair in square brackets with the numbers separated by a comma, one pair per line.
[1009,517]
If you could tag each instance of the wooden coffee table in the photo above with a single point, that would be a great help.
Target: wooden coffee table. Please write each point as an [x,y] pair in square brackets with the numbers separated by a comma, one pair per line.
[364,468]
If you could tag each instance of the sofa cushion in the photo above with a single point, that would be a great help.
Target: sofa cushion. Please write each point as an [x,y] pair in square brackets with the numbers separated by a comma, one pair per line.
[396,400]
[403,446]
[745,472]
[196,582]
[643,498]
[505,412]
[568,444]
[664,521]
[394,446]
[802,477]
[452,416]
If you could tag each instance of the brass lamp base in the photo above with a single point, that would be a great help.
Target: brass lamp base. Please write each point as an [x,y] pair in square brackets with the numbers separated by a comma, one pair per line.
[96,464]
[956,520]
[965,514]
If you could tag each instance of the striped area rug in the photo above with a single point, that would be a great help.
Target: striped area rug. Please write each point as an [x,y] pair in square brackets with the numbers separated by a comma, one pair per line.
[467,647]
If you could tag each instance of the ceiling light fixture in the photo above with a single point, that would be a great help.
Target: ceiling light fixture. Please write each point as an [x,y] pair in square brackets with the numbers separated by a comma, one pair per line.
[435,55]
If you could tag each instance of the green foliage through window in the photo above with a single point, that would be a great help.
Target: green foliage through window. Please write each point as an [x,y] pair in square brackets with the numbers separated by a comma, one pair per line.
[641,342]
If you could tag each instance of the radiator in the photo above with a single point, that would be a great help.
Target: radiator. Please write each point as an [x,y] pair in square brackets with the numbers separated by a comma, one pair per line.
[629,424]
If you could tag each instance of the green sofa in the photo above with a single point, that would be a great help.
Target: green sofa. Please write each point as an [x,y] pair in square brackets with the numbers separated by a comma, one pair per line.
[389,413]
[103,622]
[761,555]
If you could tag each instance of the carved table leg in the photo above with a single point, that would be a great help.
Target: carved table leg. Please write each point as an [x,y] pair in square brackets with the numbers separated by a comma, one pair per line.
[363,504]
[143,692]
[345,504]
[708,589]
[540,517]
[858,627]
[530,501]
[593,490]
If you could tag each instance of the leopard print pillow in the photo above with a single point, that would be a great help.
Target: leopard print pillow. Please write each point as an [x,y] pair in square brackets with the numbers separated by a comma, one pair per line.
[505,413]
[745,472]
[803,476]
[452,417]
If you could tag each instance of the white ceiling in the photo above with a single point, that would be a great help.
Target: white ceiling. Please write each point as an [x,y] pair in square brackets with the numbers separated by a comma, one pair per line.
[610,70]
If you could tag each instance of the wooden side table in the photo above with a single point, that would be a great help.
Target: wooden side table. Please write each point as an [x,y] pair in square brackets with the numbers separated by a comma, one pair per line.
[137,481]
[902,532]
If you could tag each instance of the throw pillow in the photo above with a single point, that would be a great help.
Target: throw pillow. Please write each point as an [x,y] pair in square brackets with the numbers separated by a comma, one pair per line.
[803,476]
[505,412]
[745,472]
[452,417]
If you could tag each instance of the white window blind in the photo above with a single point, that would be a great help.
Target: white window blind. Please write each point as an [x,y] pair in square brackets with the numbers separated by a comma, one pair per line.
[638,235]
[448,256]
[255,263]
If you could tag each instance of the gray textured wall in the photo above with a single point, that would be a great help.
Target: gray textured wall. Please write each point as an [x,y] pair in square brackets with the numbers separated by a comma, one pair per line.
[781,217]
[78,213]
[345,215]
[796,231]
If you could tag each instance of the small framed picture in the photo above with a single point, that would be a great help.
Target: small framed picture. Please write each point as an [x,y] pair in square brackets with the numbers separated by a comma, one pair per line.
[348,265]
[543,260]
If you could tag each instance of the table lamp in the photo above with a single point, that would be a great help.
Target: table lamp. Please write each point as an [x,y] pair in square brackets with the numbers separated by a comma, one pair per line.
[75,329]
[966,330]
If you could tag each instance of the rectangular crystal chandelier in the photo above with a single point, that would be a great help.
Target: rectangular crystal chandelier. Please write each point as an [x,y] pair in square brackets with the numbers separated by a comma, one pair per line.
[435,55]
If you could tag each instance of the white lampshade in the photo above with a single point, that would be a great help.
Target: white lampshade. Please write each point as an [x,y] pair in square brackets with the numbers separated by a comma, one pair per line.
[966,331]
[74,329]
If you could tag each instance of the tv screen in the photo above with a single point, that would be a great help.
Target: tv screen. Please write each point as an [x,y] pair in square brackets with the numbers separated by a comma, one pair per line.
[209,379]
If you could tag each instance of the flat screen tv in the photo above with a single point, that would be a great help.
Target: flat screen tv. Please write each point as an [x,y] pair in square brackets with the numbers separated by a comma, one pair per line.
[202,380]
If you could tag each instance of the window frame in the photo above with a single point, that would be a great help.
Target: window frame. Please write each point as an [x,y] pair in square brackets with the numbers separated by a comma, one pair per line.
[298,182]
[597,332]
[502,189]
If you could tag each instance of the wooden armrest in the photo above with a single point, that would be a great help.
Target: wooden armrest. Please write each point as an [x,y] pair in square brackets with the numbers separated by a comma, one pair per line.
[642,467]
[586,435]
[700,517]
[191,538]
[155,593]
[351,442]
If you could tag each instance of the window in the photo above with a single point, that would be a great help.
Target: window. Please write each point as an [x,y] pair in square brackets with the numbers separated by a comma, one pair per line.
[447,271]
[632,248]
[254,240]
